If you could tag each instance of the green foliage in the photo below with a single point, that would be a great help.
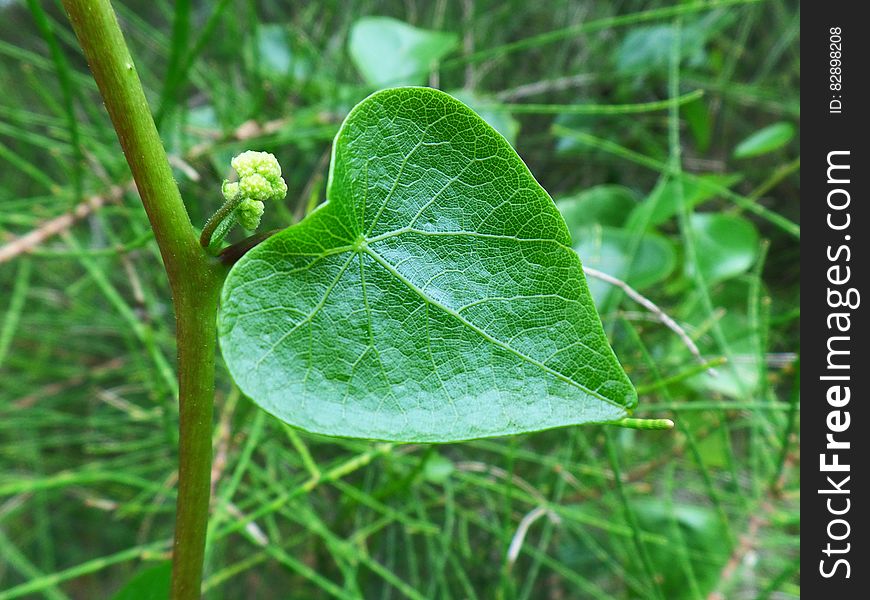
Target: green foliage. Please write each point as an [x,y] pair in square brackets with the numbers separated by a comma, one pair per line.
[663,203]
[698,553]
[640,261]
[605,205]
[275,56]
[389,52]
[595,220]
[740,339]
[772,137]
[647,50]
[438,469]
[434,297]
[149,584]
[726,245]
[499,120]
[88,413]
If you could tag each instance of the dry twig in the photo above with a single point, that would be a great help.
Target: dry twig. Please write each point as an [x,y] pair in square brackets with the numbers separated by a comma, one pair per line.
[53,227]
[653,308]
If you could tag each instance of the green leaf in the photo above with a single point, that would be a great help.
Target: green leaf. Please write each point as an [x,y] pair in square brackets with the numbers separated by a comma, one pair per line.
[275,56]
[766,140]
[594,218]
[273,52]
[600,205]
[647,50]
[619,253]
[437,468]
[590,124]
[695,535]
[739,379]
[148,584]
[390,52]
[726,245]
[433,297]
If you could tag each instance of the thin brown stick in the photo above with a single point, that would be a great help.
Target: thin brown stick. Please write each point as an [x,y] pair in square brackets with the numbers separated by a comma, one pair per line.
[57,225]
[547,85]
[520,535]
[648,304]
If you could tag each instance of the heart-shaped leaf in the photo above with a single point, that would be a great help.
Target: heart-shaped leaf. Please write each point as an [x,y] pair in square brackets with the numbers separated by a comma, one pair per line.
[433,297]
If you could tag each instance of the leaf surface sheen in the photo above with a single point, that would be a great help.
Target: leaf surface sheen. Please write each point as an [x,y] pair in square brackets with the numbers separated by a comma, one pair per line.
[434,296]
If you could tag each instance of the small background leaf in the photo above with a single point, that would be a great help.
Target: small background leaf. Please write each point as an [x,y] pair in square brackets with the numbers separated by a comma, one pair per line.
[646,50]
[766,140]
[149,584]
[389,52]
[595,218]
[663,203]
[701,534]
[438,468]
[640,262]
[601,205]
[273,50]
[741,379]
[726,245]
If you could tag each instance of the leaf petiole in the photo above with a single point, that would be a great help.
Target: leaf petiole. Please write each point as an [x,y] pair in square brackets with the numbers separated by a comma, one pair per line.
[220,223]
[233,253]
[629,423]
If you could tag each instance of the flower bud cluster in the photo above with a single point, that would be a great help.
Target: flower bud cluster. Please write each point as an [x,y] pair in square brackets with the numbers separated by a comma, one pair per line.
[259,180]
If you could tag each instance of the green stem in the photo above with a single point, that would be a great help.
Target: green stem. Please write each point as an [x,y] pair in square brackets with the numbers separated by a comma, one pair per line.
[103,43]
[205,238]
[196,334]
[195,277]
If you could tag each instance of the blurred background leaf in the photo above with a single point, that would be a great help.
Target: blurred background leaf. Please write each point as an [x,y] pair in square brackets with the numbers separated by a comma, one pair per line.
[388,52]
[766,140]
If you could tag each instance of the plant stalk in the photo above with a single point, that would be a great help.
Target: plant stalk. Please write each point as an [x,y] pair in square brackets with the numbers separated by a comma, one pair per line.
[196,334]
[195,277]
[103,43]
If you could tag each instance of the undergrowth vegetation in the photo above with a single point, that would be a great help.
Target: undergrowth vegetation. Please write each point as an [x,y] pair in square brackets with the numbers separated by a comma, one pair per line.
[667,134]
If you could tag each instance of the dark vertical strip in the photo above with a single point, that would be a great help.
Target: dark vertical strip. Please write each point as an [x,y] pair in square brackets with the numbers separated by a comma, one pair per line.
[836,453]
